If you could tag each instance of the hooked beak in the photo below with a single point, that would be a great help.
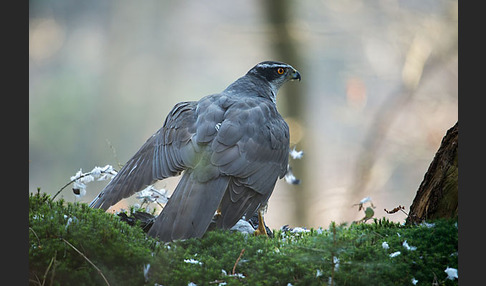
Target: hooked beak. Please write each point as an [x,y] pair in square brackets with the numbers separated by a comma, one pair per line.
[296,75]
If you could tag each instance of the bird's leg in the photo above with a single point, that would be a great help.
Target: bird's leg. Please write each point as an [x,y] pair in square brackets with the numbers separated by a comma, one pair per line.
[261,225]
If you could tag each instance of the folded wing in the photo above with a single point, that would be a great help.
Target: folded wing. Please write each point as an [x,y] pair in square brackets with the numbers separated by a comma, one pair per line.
[164,154]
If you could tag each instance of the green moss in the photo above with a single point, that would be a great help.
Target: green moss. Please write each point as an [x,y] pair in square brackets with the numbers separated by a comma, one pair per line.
[117,249]
[347,255]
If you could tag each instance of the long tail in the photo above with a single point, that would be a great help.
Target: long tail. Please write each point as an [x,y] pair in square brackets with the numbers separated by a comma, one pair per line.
[190,209]
[238,201]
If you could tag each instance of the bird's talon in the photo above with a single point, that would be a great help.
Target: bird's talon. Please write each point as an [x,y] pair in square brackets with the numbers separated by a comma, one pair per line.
[261,230]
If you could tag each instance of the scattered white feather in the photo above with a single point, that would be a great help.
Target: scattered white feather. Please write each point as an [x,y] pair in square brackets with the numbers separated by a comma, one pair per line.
[361,206]
[105,173]
[365,200]
[336,263]
[291,179]
[237,275]
[451,273]
[395,254]
[192,261]
[299,230]
[243,226]
[77,175]
[86,179]
[296,154]
[408,247]
[385,245]
[70,220]
[428,225]
[79,189]
[80,179]
[146,268]
[151,194]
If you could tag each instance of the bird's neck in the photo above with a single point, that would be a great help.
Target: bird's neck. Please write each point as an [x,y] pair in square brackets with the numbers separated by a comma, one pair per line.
[252,86]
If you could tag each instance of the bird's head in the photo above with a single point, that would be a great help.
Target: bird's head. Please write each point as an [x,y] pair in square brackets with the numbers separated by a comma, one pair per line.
[275,73]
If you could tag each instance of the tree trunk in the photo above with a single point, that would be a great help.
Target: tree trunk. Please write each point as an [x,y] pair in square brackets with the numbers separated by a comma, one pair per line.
[437,196]
[291,101]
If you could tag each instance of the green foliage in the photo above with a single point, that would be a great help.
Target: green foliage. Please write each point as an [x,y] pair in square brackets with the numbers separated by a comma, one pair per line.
[117,249]
[341,255]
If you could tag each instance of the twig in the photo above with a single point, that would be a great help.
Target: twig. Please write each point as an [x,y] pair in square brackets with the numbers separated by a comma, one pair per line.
[237,260]
[82,176]
[38,240]
[399,208]
[33,281]
[87,259]
[72,181]
[48,267]
[435,282]
[53,272]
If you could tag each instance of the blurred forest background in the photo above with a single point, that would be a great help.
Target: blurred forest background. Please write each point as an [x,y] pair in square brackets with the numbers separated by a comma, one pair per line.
[379,89]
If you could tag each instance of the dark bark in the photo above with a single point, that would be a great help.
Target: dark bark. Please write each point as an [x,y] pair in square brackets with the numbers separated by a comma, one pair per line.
[437,196]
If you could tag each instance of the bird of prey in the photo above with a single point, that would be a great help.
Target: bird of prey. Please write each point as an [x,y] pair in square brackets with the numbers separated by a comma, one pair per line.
[230,147]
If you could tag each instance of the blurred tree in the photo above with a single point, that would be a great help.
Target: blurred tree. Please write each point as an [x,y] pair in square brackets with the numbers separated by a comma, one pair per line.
[426,54]
[285,47]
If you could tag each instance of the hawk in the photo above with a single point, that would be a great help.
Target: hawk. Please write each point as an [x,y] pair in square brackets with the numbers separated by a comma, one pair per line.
[230,148]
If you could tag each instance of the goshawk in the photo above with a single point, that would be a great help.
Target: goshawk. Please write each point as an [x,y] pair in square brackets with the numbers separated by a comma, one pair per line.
[230,147]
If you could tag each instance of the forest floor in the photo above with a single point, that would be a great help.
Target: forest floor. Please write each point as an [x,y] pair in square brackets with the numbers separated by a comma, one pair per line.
[72,244]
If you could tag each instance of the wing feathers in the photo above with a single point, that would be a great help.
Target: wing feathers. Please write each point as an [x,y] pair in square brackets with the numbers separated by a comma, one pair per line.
[232,148]
[157,159]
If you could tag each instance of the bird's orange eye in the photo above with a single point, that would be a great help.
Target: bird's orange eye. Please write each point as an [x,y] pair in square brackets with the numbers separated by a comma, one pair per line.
[280,70]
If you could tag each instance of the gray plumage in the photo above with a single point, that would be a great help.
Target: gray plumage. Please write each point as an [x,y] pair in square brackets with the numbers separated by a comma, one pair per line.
[230,147]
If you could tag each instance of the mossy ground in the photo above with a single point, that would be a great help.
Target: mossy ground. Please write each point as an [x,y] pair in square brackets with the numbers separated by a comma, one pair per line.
[341,255]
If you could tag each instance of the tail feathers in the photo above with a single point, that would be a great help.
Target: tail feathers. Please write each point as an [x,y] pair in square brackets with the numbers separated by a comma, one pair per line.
[233,206]
[190,209]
